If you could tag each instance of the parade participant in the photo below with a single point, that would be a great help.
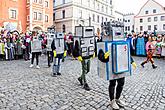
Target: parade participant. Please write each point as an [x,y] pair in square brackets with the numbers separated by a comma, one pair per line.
[2,49]
[117,66]
[84,46]
[49,40]
[159,46]
[9,52]
[27,43]
[59,51]
[163,46]
[140,45]
[150,48]
[115,101]
[35,49]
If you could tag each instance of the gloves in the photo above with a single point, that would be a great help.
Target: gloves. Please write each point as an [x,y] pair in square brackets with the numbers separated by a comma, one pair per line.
[93,56]
[107,54]
[134,65]
[55,54]
[80,58]
[65,52]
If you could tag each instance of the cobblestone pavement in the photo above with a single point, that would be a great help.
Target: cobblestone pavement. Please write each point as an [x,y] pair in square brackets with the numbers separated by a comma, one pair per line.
[24,88]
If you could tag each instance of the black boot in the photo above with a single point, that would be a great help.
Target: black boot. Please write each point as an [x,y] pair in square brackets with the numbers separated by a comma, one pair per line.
[142,64]
[86,87]
[80,80]
[54,75]
[154,66]
[58,73]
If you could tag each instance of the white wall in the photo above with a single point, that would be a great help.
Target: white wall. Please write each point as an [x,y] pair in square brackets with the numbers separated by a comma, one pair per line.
[129,22]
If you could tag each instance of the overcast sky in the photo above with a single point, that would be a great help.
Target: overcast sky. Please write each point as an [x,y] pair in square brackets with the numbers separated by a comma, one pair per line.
[131,6]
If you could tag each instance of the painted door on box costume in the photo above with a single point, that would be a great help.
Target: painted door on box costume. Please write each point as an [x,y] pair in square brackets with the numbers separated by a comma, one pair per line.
[119,62]
[36,46]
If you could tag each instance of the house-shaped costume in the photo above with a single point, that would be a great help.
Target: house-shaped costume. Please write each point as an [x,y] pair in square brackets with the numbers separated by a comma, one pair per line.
[50,36]
[58,47]
[84,46]
[119,62]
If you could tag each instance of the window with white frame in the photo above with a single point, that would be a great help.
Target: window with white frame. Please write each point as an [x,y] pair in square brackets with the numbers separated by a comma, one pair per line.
[155,18]
[88,3]
[63,1]
[40,1]
[141,20]
[155,27]
[149,19]
[162,18]
[126,28]
[35,15]
[46,4]
[80,14]
[35,1]
[98,6]
[102,20]
[106,9]
[28,17]
[146,12]
[154,10]
[98,18]
[141,28]
[110,2]
[63,14]
[46,18]
[13,13]
[39,16]
[163,26]
[93,17]
[149,27]
[102,8]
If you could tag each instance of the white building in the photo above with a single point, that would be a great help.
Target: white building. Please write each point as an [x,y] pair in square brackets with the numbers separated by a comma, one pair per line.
[129,22]
[119,16]
[71,13]
[150,17]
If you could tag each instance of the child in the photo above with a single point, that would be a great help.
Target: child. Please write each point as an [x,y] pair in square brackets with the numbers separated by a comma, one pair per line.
[150,48]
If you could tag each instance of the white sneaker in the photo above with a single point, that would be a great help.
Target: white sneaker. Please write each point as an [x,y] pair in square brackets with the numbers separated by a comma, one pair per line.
[120,102]
[2,95]
[37,67]
[114,105]
[31,66]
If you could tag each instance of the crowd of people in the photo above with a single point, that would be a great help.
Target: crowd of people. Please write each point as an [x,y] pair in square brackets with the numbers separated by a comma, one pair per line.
[15,45]
[138,44]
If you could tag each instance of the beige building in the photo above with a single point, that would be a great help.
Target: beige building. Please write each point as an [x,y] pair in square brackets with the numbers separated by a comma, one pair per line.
[71,13]
[151,17]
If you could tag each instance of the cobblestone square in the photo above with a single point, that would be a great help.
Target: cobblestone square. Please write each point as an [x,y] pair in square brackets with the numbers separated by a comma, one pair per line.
[24,88]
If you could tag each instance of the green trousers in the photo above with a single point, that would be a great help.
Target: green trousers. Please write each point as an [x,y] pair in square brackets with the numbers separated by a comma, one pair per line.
[85,69]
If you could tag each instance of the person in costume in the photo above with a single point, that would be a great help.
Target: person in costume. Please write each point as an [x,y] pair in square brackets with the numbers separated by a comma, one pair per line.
[35,49]
[150,48]
[115,101]
[59,52]
[159,46]
[83,50]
